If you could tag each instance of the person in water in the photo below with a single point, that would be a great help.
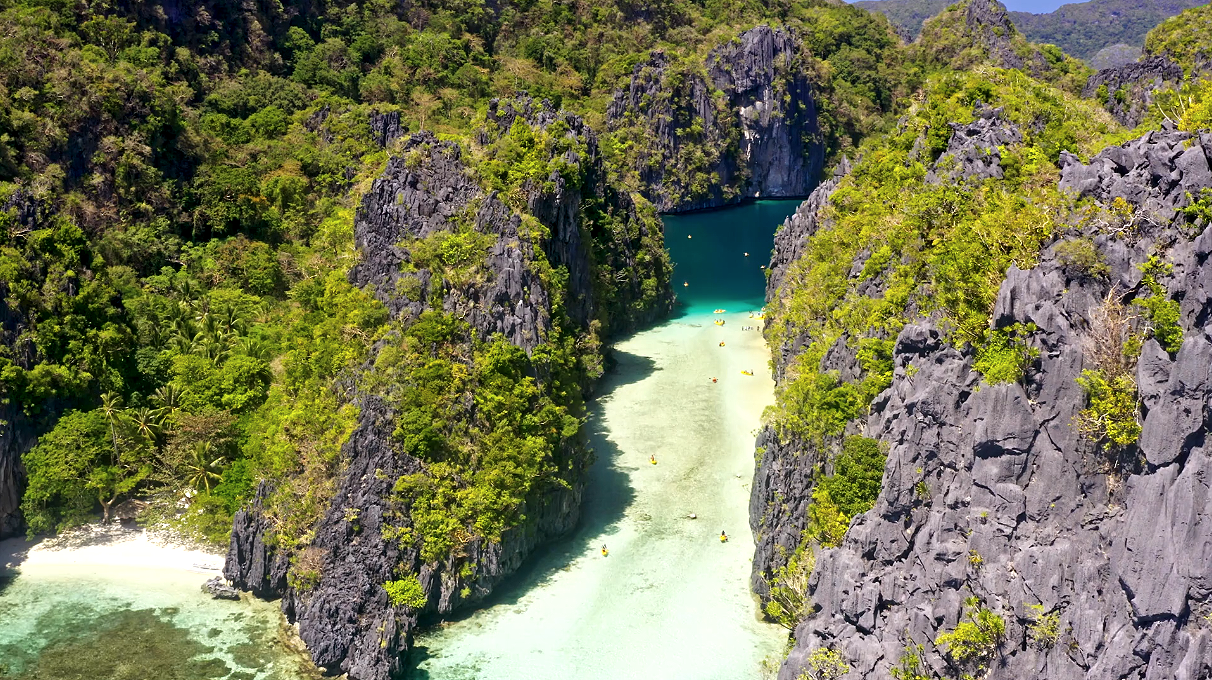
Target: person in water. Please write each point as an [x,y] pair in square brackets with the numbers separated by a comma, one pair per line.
[604,551]
[723,536]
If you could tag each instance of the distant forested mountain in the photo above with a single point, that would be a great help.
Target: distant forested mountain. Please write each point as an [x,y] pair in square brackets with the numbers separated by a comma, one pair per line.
[1080,29]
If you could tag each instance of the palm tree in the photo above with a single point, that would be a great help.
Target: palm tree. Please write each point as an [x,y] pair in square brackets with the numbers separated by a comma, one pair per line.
[204,465]
[146,422]
[168,397]
[111,408]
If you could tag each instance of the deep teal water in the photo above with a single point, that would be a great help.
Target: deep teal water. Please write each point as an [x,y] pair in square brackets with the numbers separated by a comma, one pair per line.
[712,261]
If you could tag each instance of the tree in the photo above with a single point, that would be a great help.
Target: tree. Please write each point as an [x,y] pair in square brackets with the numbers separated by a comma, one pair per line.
[111,407]
[426,102]
[205,465]
[72,468]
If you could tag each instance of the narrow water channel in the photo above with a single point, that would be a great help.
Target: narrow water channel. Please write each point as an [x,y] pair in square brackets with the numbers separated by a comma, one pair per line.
[670,600]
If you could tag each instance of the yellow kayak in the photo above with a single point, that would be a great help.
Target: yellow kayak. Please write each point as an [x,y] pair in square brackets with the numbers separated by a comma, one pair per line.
[746,372]
[719,322]
[718,311]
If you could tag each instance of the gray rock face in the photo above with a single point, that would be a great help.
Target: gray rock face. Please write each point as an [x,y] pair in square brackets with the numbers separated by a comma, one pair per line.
[1129,88]
[1122,556]
[342,610]
[761,134]
[793,235]
[974,150]
[218,589]
[1154,173]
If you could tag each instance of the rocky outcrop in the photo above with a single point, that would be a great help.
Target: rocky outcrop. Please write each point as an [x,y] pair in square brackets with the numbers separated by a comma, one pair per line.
[793,234]
[743,124]
[1158,174]
[332,585]
[218,589]
[990,491]
[974,150]
[1127,90]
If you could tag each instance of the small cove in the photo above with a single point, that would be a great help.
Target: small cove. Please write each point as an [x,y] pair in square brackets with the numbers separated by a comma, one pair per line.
[670,600]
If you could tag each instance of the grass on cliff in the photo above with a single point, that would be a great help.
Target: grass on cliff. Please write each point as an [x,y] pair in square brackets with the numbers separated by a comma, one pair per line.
[937,249]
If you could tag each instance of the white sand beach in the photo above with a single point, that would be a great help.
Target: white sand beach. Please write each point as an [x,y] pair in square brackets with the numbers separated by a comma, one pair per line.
[670,600]
[109,547]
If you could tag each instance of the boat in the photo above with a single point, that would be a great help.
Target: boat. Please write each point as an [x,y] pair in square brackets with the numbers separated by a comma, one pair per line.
[746,372]
[717,311]
[719,322]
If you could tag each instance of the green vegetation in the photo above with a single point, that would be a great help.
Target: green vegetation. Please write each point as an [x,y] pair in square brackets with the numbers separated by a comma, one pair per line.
[973,642]
[1005,356]
[825,664]
[789,602]
[1162,313]
[1081,257]
[1110,419]
[909,666]
[406,592]
[1044,629]
[1183,38]
[858,473]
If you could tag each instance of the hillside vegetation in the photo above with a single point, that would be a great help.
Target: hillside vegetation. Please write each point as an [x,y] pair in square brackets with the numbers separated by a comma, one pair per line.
[1081,29]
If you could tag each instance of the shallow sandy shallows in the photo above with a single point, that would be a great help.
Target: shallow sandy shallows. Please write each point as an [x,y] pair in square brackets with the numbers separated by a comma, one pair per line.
[670,601]
[104,602]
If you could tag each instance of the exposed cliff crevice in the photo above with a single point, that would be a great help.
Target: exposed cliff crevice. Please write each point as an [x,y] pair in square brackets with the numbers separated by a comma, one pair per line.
[742,124]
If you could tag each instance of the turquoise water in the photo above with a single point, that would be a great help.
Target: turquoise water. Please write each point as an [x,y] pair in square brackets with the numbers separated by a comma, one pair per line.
[88,622]
[713,262]
[670,600]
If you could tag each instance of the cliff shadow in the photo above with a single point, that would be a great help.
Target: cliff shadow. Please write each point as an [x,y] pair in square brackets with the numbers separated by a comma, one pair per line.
[608,494]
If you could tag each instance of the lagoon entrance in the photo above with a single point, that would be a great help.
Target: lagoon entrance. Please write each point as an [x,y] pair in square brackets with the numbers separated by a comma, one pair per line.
[669,600]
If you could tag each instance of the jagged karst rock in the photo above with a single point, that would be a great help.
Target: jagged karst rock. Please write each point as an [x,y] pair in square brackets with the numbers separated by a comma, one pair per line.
[974,150]
[1157,174]
[1129,88]
[760,129]
[1122,556]
[386,127]
[339,603]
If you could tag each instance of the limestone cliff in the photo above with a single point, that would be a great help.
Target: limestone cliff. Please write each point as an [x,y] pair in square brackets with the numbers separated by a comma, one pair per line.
[741,124]
[571,221]
[991,492]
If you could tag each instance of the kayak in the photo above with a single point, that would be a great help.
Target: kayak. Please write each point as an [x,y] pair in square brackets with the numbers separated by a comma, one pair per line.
[746,372]
[717,311]
[719,322]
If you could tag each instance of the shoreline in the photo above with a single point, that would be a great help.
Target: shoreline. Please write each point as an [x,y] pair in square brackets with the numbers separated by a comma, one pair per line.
[577,607]
[111,546]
